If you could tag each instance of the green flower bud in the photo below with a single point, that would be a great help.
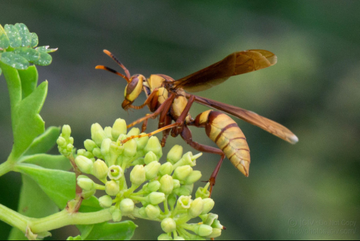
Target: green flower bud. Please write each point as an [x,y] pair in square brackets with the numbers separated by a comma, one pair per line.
[115,150]
[81,152]
[150,157]
[203,230]
[155,198]
[84,164]
[100,169]
[107,131]
[118,128]
[66,131]
[151,170]
[89,144]
[153,145]
[164,236]
[85,183]
[208,205]
[97,133]
[130,148]
[166,168]
[141,142]
[196,207]
[133,132]
[188,159]
[184,202]
[105,201]
[105,146]
[137,175]
[61,142]
[115,172]
[176,183]
[168,225]
[217,224]
[203,192]
[97,152]
[167,184]
[209,218]
[152,211]
[193,177]
[112,188]
[116,215]
[85,194]
[152,186]
[174,154]
[216,232]
[69,147]
[182,172]
[127,205]
[142,212]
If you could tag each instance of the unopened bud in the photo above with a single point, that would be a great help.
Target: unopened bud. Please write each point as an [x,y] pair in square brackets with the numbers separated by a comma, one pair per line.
[127,205]
[116,215]
[100,169]
[105,201]
[208,205]
[166,168]
[134,132]
[183,172]
[152,186]
[85,194]
[118,128]
[61,141]
[97,133]
[164,236]
[112,188]
[84,164]
[156,197]
[152,169]
[152,211]
[141,142]
[105,146]
[193,177]
[174,154]
[167,184]
[85,183]
[130,148]
[66,131]
[168,225]
[196,207]
[137,175]
[216,232]
[107,131]
[203,230]
[150,157]
[154,145]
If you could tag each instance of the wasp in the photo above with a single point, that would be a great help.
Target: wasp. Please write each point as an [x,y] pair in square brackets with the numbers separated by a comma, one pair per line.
[167,99]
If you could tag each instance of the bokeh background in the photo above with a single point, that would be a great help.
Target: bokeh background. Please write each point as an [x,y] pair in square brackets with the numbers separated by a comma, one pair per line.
[302,191]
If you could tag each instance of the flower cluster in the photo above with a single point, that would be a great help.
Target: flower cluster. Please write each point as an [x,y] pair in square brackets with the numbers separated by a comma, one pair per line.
[157,191]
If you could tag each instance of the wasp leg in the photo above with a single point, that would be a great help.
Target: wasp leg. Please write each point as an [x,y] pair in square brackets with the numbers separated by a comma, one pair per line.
[165,106]
[166,132]
[187,136]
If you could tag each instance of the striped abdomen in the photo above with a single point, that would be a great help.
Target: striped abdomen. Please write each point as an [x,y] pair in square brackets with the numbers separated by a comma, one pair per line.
[227,135]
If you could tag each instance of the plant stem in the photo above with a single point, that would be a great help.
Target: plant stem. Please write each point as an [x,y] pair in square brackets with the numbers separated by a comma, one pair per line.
[6,166]
[54,221]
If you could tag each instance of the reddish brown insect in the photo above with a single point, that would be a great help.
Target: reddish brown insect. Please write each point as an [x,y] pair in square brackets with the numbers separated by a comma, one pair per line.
[167,99]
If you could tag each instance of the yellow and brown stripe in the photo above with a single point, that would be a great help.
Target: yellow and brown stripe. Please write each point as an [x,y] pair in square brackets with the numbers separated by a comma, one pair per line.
[230,139]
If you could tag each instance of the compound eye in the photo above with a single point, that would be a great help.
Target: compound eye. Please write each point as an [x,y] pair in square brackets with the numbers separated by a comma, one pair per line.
[134,88]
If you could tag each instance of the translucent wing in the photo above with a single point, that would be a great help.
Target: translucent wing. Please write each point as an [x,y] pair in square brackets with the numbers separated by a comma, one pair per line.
[234,64]
[253,118]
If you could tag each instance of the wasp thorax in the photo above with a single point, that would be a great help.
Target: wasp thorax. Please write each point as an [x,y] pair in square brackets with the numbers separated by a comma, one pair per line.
[133,90]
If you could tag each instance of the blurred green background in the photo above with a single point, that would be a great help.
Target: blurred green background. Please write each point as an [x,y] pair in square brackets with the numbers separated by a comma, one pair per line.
[302,191]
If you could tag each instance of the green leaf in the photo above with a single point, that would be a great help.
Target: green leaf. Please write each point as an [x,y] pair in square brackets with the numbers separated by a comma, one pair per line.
[45,49]
[34,40]
[108,231]
[29,79]
[45,141]
[58,162]
[13,34]
[27,123]
[14,60]
[28,53]
[14,85]
[58,185]
[45,59]
[24,34]
[33,203]
[90,205]
[4,40]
